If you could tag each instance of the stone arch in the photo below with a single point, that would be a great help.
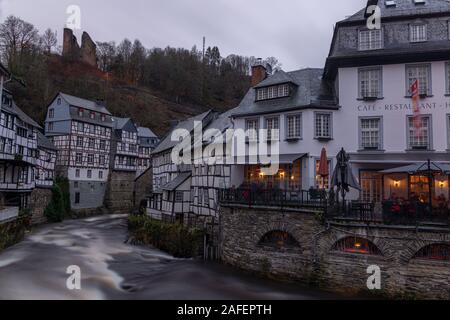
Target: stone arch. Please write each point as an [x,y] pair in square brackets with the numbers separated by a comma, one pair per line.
[356,244]
[435,251]
[279,239]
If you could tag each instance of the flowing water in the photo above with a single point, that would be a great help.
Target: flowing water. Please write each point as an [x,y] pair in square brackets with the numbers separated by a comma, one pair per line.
[111,269]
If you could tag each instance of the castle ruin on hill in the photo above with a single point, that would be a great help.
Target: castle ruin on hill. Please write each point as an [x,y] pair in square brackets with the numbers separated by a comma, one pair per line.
[87,53]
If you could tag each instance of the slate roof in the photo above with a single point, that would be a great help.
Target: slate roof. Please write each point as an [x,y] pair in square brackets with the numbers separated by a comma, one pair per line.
[23,116]
[404,8]
[119,123]
[310,91]
[178,181]
[44,143]
[188,124]
[146,133]
[85,104]
[278,77]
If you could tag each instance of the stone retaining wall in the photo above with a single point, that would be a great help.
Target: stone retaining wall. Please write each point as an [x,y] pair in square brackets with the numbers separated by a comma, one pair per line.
[119,197]
[315,262]
[39,200]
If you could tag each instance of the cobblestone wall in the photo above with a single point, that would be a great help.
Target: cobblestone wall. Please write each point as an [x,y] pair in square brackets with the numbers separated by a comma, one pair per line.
[143,187]
[314,261]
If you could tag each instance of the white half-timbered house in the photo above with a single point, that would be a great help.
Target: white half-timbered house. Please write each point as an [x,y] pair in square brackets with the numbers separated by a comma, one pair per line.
[45,162]
[81,130]
[172,197]
[147,142]
[124,145]
[18,149]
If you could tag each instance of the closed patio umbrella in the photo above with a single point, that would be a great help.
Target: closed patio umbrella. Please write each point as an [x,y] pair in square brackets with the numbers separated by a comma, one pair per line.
[343,177]
[324,170]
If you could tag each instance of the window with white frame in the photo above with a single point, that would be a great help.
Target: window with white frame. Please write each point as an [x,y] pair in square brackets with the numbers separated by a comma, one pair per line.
[252,127]
[90,159]
[370,39]
[370,133]
[418,32]
[422,73]
[322,123]
[80,142]
[447,78]
[294,126]
[370,83]
[419,133]
[179,196]
[273,92]
[79,158]
[273,128]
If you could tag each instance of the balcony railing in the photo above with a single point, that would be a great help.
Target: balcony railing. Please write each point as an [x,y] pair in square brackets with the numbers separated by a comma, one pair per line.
[411,213]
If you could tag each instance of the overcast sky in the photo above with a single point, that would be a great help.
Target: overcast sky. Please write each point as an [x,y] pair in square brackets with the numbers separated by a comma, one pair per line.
[297,32]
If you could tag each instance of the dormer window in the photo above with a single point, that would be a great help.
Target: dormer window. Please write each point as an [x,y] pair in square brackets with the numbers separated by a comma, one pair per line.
[80,112]
[418,33]
[370,39]
[273,92]
[92,115]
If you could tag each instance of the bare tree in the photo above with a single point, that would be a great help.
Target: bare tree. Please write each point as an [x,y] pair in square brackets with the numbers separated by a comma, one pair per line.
[49,40]
[17,38]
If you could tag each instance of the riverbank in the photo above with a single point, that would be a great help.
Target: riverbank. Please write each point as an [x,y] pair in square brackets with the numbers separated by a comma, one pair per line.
[112,269]
[13,231]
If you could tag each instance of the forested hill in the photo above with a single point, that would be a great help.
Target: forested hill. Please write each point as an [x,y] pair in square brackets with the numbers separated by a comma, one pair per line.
[153,86]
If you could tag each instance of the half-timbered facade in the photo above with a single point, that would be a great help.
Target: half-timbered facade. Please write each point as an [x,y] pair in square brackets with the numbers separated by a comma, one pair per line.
[172,195]
[124,145]
[18,150]
[81,130]
[45,162]
[147,142]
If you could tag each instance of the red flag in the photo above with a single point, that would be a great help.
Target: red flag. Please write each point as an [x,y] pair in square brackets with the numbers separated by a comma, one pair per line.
[417,117]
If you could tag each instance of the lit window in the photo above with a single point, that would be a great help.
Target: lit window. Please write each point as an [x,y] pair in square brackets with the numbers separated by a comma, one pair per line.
[370,133]
[370,40]
[356,245]
[422,73]
[418,33]
[419,136]
[322,126]
[370,84]
[322,182]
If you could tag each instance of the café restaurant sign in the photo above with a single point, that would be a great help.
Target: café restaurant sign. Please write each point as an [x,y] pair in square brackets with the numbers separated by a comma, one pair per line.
[397,107]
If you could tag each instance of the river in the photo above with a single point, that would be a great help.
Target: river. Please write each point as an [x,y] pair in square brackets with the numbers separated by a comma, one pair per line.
[111,269]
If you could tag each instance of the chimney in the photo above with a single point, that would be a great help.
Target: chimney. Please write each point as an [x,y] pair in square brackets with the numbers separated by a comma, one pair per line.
[259,72]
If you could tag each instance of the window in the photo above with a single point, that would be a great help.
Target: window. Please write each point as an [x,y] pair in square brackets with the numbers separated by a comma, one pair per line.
[79,158]
[370,133]
[92,115]
[89,174]
[58,101]
[294,126]
[80,112]
[273,129]
[439,252]
[371,187]
[103,118]
[447,78]
[356,245]
[91,129]
[179,196]
[50,126]
[273,92]
[421,72]
[77,198]
[419,133]
[370,83]
[101,160]
[80,142]
[252,127]
[80,127]
[90,159]
[77,173]
[76,185]
[91,143]
[370,40]
[51,113]
[100,174]
[418,33]
[322,126]
[102,145]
